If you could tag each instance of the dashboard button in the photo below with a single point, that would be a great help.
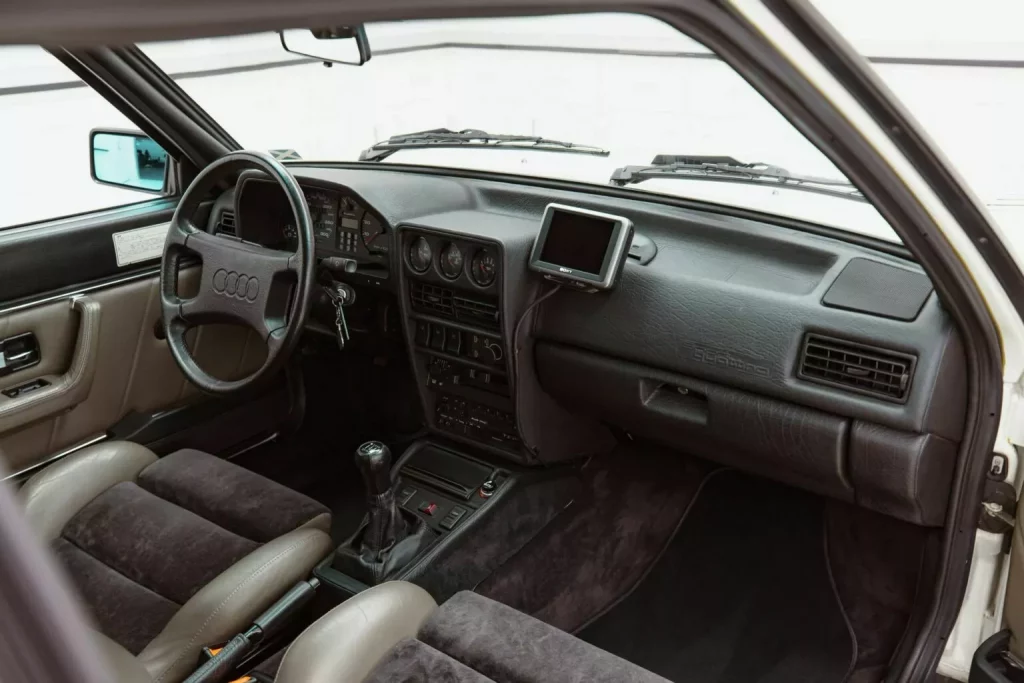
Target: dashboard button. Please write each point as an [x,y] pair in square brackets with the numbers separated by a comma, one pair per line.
[422,333]
[454,343]
[437,333]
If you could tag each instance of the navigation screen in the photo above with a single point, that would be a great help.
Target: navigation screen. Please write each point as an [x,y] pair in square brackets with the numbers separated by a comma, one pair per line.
[577,242]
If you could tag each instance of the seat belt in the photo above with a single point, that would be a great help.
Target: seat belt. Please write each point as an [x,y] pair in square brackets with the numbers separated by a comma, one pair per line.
[223,660]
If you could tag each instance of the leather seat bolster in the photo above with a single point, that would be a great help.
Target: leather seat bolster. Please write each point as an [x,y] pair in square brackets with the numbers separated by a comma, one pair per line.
[230,602]
[347,643]
[123,667]
[53,496]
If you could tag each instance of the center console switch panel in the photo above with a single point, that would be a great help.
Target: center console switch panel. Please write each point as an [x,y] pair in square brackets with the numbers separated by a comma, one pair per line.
[454,321]
[445,488]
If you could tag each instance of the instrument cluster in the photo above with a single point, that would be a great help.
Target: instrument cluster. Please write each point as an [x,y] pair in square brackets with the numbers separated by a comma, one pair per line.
[342,224]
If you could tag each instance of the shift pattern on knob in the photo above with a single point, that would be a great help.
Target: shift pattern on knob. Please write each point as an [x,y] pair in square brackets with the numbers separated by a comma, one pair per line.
[374,462]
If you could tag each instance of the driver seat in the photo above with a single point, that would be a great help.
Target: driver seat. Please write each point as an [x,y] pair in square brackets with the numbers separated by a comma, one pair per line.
[176,553]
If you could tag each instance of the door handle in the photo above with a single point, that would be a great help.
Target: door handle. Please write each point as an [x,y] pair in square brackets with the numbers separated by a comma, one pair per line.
[18,352]
[61,392]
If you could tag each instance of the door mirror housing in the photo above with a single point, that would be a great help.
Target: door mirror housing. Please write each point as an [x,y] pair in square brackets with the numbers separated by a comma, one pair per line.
[332,45]
[129,159]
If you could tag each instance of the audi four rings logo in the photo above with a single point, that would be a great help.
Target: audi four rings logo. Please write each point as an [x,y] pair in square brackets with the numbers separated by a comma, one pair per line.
[238,285]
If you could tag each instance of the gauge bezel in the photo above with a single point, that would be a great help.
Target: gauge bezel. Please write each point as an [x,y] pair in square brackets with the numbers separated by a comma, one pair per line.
[440,261]
[409,252]
[478,252]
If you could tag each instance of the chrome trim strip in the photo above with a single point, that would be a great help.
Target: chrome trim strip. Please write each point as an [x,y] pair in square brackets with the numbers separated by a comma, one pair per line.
[131,277]
[67,451]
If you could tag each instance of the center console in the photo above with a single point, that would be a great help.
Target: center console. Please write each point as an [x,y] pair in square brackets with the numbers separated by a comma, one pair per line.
[453,290]
[433,493]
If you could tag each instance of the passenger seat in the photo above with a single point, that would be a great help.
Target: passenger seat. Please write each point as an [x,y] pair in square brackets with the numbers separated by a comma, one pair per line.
[395,633]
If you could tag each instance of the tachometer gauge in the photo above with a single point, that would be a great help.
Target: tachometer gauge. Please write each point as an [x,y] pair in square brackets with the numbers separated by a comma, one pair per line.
[372,230]
[289,233]
[483,267]
[420,255]
[451,261]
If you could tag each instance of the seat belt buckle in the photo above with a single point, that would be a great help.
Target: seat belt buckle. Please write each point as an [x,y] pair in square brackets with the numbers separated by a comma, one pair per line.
[209,652]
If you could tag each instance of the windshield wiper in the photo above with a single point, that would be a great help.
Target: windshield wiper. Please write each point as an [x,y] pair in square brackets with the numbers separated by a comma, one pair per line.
[444,138]
[727,169]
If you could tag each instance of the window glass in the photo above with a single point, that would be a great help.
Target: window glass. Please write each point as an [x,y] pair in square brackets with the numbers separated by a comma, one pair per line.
[46,113]
[627,84]
[958,68]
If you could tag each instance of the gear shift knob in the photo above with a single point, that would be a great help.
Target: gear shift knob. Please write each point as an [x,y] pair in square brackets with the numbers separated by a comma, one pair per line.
[374,462]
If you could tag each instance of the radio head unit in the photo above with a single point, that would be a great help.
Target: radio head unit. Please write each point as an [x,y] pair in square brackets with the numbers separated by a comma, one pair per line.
[581,248]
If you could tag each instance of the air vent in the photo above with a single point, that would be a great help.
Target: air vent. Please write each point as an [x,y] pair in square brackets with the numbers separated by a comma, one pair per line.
[432,299]
[446,303]
[475,311]
[226,223]
[867,370]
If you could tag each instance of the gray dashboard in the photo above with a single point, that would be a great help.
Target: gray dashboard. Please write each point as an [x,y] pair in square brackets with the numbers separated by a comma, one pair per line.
[706,341]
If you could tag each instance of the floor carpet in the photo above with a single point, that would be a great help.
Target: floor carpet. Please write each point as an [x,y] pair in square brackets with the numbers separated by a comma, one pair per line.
[742,594]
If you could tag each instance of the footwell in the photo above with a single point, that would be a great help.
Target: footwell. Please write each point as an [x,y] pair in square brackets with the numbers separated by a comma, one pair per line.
[742,594]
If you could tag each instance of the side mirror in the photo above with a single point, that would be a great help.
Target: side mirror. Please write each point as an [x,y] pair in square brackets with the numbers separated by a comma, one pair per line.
[127,159]
[334,45]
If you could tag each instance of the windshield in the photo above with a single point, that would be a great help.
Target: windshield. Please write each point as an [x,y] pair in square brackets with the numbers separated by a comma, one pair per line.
[628,88]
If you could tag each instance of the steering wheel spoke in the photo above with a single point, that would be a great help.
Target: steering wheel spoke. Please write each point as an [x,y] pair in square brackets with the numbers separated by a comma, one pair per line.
[242,283]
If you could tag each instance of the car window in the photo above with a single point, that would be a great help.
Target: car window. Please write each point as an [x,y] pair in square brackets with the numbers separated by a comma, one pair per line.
[46,113]
[629,86]
[958,68]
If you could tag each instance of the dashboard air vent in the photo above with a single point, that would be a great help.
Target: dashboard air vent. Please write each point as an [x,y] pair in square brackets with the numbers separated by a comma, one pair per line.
[447,303]
[226,223]
[865,369]
[475,311]
[432,299]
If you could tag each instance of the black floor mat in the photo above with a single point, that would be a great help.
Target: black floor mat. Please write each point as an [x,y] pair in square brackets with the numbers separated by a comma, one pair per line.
[742,594]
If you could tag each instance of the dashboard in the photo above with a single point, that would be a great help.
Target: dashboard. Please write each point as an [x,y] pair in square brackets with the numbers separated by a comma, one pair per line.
[825,364]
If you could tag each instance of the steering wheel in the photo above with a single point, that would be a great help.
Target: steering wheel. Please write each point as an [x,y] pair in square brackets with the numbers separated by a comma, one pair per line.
[267,290]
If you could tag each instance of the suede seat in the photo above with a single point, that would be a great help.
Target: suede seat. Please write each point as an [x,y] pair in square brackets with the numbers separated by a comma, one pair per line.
[172,554]
[395,633]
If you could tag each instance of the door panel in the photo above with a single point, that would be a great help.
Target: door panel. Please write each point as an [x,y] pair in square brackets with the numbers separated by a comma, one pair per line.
[132,369]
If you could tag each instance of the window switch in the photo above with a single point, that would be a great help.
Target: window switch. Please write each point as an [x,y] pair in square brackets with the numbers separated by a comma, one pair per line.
[453,517]
[405,494]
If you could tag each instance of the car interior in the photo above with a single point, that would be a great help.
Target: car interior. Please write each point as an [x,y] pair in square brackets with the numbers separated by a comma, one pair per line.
[361,422]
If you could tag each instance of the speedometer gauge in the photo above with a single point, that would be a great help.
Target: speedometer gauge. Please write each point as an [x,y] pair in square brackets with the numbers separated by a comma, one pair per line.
[451,261]
[420,255]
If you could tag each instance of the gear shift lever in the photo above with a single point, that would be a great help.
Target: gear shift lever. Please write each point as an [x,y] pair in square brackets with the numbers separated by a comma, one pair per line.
[374,462]
[390,538]
[386,524]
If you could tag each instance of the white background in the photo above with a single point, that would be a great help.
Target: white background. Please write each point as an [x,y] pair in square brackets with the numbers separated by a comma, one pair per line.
[634,106]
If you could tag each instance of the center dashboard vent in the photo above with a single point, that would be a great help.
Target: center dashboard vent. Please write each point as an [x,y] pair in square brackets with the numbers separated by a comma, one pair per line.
[226,224]
[447,303]
[864,369]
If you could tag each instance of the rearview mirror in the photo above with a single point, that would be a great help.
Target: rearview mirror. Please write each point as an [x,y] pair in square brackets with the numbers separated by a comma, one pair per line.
[127,159]
[334,45]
